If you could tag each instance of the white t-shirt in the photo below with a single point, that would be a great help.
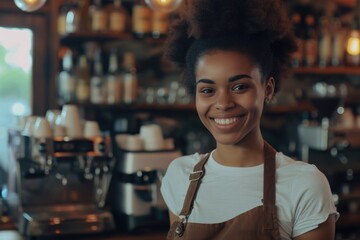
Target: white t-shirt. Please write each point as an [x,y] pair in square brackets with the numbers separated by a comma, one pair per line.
[303,196]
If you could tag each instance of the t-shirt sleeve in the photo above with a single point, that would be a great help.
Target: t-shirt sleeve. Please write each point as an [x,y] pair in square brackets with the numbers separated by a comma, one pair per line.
[167,188]
[312,199]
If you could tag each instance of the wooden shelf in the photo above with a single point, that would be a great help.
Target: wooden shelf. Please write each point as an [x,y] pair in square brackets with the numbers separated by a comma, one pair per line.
[86,36]
[327,71]
[300,107]
[138,107]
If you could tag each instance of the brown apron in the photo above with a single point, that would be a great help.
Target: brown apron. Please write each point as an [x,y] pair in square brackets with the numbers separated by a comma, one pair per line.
[259,223]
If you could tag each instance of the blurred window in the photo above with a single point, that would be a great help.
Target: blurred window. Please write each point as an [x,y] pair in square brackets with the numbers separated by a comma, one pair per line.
[16,59]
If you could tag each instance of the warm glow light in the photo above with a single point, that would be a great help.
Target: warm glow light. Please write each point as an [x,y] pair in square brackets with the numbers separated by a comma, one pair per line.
[29,5]
[163,5]
[18,109]
[353,44]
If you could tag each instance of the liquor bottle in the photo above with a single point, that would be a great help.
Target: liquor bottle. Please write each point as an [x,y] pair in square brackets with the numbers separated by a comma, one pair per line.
[61,20]
[114,80]
[83,80]
[117,18]
[72,17]
[141,20]
[130,78]
[325,41]
[297,21]
[98,17]
[66,80]
[160,24]
[97,80]
[338,42]
[310,40]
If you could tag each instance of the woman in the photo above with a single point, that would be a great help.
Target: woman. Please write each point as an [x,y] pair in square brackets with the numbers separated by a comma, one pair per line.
[234,54]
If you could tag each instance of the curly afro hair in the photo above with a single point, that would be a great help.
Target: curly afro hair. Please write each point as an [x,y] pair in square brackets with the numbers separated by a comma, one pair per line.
[259,28]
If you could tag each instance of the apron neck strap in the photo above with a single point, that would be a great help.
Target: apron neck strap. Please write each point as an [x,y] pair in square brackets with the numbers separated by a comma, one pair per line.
[268,191]
[195,180]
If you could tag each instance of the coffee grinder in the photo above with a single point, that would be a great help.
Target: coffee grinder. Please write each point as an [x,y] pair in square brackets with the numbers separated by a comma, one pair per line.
[58,186]
[137,201]
[321,134]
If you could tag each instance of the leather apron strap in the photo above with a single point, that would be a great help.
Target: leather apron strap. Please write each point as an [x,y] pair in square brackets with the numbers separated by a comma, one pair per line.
[269,190]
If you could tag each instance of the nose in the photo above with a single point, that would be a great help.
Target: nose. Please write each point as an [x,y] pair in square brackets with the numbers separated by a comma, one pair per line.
[224,101]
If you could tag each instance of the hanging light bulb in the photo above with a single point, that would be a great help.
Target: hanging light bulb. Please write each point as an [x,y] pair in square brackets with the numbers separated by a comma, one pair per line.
[29,5]
[163,5]
[353,44]
[353,40]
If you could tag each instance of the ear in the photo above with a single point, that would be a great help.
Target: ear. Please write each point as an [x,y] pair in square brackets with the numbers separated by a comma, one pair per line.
[269,88]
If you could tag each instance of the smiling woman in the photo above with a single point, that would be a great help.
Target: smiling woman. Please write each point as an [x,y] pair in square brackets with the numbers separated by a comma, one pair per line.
[234,55]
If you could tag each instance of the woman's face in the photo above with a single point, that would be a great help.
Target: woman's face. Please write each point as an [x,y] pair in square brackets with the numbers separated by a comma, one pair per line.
[230,95]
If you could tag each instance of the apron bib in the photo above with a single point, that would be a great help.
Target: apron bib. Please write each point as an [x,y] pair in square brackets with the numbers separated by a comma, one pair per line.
[259,223]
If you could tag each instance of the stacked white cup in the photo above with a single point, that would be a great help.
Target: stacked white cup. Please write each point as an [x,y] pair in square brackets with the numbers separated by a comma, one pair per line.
[152,137]
[71,121]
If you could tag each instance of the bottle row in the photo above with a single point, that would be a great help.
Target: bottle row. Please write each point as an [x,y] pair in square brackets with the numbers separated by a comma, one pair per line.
[321,38]
[138,19]
[88,81]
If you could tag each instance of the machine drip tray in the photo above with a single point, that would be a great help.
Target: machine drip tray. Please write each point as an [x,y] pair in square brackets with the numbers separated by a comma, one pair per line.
[65,220]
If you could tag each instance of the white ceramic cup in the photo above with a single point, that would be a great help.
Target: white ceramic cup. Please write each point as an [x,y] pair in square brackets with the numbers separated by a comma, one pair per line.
[91,129]
[121,139]
[42,128]
[51,115]
[152,137]
[21,122]
[29,126]
[70,119]
[134,143]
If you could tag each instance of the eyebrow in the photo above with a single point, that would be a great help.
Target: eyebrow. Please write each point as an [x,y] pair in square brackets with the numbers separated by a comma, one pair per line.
[231,79]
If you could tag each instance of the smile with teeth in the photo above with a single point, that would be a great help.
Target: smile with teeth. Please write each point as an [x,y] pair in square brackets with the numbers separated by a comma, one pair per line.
[226,121]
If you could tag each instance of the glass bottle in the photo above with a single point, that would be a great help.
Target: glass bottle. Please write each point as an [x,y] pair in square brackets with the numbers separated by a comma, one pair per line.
[310,40]
[83,80]
[338,43]
[130,78]
[296,17]
[117,18]
[97,80]
[325,41]
[114,80]
[98,17]
[141,19]
[72,17]
[61,21]
[66,80]
[160,24]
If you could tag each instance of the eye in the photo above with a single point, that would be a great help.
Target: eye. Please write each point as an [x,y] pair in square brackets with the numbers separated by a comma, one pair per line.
[240,88]
[206,91]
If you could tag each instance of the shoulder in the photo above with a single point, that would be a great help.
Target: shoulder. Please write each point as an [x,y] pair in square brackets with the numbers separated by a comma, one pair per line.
[184,164]
[176,180]
[302,176]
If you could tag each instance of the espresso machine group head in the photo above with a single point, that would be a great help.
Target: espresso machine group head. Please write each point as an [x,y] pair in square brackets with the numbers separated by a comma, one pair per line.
[58,186]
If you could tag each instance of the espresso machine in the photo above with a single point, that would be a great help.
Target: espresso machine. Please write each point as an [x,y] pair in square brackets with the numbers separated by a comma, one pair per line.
[137,201]
[58,186]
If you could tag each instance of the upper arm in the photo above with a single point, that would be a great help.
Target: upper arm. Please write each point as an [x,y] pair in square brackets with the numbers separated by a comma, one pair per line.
[325,231]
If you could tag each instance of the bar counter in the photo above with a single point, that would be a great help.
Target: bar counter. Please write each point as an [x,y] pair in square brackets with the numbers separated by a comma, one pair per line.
[8,231]
[161,235]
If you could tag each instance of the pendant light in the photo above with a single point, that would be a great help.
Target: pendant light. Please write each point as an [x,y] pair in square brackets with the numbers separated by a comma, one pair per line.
[353,42]
[163,5]
[29,5]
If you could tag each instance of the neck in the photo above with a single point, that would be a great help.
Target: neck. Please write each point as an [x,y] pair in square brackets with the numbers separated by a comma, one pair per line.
[244,154]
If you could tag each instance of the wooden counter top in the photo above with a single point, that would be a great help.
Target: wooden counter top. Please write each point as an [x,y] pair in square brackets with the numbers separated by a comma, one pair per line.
[14,235]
